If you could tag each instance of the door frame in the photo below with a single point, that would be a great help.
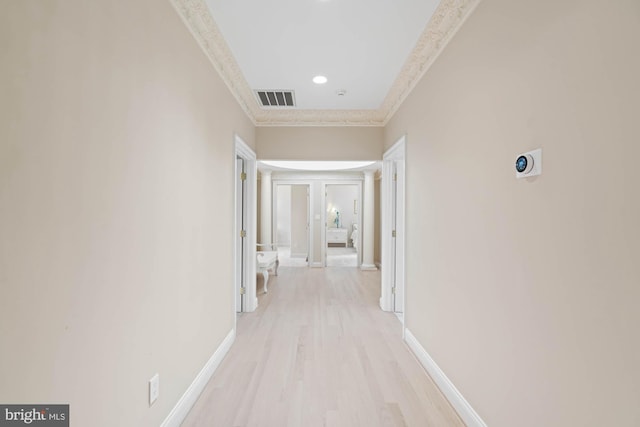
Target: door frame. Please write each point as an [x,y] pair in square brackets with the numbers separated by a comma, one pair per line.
[393,158]
[243,151]
[274,208]
[323,220]
[239,218]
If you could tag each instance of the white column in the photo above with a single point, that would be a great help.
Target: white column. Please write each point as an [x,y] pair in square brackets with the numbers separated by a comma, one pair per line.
[265,208]
[367,223]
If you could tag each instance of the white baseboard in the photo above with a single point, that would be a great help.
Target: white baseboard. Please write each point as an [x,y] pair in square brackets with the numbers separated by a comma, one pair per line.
[459,403]
[189,398]
[368,267]
[384,304]
[316,265]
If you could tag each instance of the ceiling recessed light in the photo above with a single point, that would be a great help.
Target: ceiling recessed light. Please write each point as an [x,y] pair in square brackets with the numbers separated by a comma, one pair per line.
[341,92]
[319,80]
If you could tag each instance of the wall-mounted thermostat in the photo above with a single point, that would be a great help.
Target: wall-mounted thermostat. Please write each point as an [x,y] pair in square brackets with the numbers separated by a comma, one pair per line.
[529,164]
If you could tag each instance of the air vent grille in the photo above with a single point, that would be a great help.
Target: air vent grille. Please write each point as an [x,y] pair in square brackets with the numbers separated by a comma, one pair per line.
[276,98]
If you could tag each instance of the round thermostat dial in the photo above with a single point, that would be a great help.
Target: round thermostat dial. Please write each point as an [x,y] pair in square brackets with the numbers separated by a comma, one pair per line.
[524,164]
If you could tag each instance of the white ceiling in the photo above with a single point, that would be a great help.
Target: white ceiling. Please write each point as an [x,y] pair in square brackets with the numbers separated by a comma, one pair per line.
[359,45]
[376,50]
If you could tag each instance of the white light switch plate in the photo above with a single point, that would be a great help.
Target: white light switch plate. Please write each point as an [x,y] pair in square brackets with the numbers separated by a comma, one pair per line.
[154,388]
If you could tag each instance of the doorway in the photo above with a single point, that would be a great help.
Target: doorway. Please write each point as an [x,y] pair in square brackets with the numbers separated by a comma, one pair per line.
[393,230]
[292,223]
[342,225]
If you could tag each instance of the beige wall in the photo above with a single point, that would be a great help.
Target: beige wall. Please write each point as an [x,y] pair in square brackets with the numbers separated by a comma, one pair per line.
[525,292]
[116,207]
[319,143]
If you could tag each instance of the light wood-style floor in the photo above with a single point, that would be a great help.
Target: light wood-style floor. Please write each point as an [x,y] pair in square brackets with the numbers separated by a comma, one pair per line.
[320,352]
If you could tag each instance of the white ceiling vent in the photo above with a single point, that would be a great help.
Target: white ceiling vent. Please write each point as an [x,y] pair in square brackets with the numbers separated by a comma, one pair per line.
[276,98]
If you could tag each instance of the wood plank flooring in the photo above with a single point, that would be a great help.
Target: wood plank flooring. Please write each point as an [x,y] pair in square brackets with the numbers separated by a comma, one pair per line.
[320,352]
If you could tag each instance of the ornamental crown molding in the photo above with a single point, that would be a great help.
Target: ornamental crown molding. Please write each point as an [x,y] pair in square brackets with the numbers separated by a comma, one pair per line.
[445,22]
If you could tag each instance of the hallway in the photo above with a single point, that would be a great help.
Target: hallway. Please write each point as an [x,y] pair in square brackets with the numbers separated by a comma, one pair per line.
[320,352]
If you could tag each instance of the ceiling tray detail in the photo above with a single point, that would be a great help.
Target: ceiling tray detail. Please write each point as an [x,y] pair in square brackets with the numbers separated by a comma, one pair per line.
[445,22]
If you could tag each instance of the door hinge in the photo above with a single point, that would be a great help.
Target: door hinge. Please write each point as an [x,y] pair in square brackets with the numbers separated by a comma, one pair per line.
[243,291]
[393,290]
[393,233]
[243,176]
[243,233]
[395,176]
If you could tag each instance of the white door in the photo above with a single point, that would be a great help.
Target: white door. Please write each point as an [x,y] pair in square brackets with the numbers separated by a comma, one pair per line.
[240,234]
[398,240]
[394,240]
[392,291]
